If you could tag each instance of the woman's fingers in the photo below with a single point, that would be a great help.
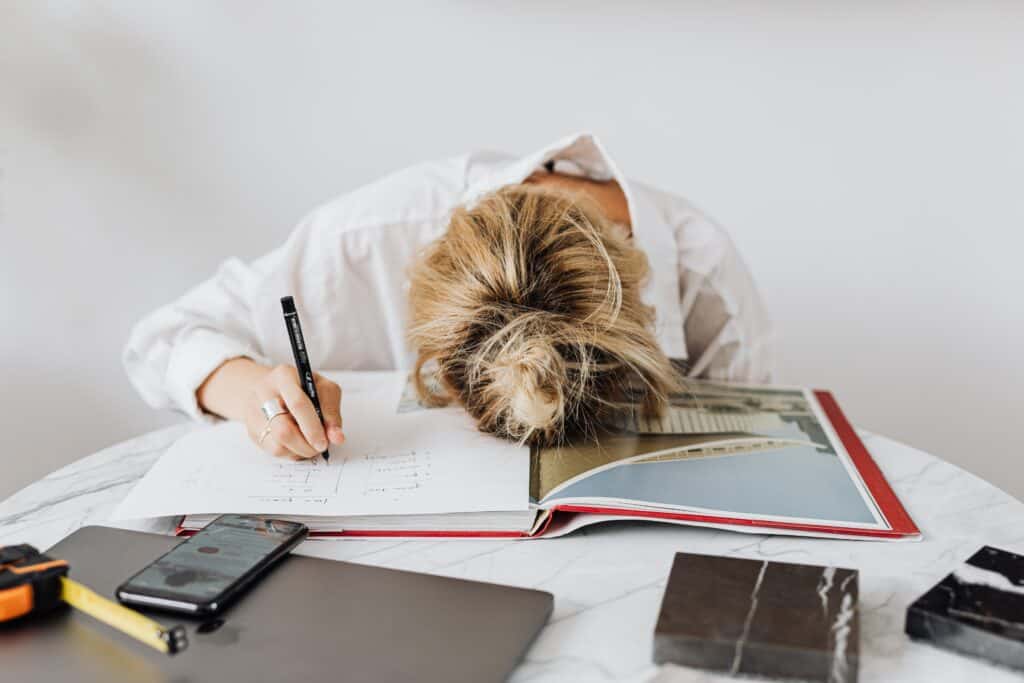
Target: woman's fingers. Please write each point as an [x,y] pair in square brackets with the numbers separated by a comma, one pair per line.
[301,408]
[330,404]
[262,433]
[279,436]
[285,381]
[300,433]
[276,448]
[285,432]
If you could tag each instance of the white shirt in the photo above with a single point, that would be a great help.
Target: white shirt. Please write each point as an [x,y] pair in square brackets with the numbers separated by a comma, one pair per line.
[346,265]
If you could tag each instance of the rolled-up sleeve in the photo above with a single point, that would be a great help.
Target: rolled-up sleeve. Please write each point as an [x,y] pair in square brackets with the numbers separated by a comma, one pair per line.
[728,332]
[172,351]
[344,260]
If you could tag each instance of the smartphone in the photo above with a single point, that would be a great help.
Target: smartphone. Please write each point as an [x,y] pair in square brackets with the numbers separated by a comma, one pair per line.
[203,574]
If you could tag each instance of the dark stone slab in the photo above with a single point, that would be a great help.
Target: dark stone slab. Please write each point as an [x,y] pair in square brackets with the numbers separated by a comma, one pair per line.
[756,617]
[976,610]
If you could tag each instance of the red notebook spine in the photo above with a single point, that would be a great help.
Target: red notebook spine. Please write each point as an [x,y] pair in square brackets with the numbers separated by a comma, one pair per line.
[883,494]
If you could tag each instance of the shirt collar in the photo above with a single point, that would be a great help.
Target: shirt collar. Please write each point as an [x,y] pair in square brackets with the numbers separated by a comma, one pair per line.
[584,154]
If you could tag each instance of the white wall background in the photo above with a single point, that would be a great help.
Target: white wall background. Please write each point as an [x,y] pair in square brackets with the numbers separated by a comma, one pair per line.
[867,157]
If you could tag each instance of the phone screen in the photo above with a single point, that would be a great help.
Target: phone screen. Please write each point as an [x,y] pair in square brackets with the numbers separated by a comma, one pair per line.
[205,567]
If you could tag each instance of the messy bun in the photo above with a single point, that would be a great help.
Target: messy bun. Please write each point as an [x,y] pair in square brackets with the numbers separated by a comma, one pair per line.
[529,305]
[526,380]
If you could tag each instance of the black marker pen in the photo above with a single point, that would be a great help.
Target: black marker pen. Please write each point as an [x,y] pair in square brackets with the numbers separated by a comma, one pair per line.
[291,321]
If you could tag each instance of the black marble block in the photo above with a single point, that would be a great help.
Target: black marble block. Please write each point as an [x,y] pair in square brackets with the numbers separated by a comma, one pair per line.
[760,618]
[976,610]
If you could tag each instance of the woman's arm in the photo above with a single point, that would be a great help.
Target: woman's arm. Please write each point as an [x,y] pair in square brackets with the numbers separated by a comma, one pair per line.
[202,355]
[208,353]
[172,350]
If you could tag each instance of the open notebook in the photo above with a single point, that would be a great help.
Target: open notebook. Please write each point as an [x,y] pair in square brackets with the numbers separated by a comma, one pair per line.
[758,459]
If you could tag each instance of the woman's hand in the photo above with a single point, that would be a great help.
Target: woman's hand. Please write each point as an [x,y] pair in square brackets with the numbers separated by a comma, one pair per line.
[238,389]
[298,434]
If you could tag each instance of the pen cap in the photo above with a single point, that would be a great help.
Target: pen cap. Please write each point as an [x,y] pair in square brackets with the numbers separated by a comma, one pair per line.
[287,305]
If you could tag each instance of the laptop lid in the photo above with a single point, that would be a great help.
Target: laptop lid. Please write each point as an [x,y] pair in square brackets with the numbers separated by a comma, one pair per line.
[307,620]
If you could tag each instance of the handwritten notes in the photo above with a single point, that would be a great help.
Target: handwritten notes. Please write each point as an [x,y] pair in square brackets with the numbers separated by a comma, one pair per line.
[396,476]
[312,481]
[421,462]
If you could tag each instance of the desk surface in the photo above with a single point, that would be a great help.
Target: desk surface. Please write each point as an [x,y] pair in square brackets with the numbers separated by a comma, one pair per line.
[608,580]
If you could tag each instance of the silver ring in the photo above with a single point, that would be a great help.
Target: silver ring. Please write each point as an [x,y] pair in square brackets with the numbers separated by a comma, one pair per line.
[272,409]
[266,429]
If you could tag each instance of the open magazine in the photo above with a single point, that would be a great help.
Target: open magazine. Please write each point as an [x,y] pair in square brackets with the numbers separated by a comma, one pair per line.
[749,458]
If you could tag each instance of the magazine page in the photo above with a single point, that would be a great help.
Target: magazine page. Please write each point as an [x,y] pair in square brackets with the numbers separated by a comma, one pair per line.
[752,453]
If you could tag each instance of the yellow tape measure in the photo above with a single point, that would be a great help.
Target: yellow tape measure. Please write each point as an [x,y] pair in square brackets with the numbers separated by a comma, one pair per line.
[127,621]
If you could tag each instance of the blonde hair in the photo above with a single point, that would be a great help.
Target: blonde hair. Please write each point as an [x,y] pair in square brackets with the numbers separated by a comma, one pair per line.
[530,307]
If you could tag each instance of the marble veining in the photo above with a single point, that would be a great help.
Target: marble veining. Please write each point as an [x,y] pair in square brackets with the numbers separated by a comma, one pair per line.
[841,635]
[762,609]
[742,640]
[967,573]
[608,580]
[978,609]
[828,575]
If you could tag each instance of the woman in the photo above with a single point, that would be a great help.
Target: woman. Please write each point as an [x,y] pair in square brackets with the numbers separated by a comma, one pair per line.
[537,289]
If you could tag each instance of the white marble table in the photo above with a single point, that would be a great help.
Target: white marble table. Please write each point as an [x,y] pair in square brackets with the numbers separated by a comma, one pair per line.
[608,580]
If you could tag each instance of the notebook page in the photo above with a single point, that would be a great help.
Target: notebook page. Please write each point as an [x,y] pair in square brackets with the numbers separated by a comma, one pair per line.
[392,463]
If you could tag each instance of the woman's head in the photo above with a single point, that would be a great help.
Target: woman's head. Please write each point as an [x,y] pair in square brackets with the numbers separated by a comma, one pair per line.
[530,306]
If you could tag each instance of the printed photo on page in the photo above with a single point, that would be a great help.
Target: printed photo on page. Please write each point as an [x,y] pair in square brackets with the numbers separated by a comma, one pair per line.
[758,453]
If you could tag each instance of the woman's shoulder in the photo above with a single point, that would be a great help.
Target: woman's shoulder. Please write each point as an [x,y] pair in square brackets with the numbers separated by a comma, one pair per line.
[415,201]
[674,209]
[701,241]
[416,194]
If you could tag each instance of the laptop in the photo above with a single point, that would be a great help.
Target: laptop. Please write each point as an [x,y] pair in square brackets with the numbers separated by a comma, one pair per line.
[306,620]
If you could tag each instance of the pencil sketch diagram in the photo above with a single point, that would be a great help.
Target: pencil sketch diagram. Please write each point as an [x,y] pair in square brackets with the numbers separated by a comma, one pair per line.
[397,475]
[311,481]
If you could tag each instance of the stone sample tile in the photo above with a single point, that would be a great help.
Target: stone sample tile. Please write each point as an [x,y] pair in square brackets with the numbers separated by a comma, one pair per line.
[760,618]
[977,610]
